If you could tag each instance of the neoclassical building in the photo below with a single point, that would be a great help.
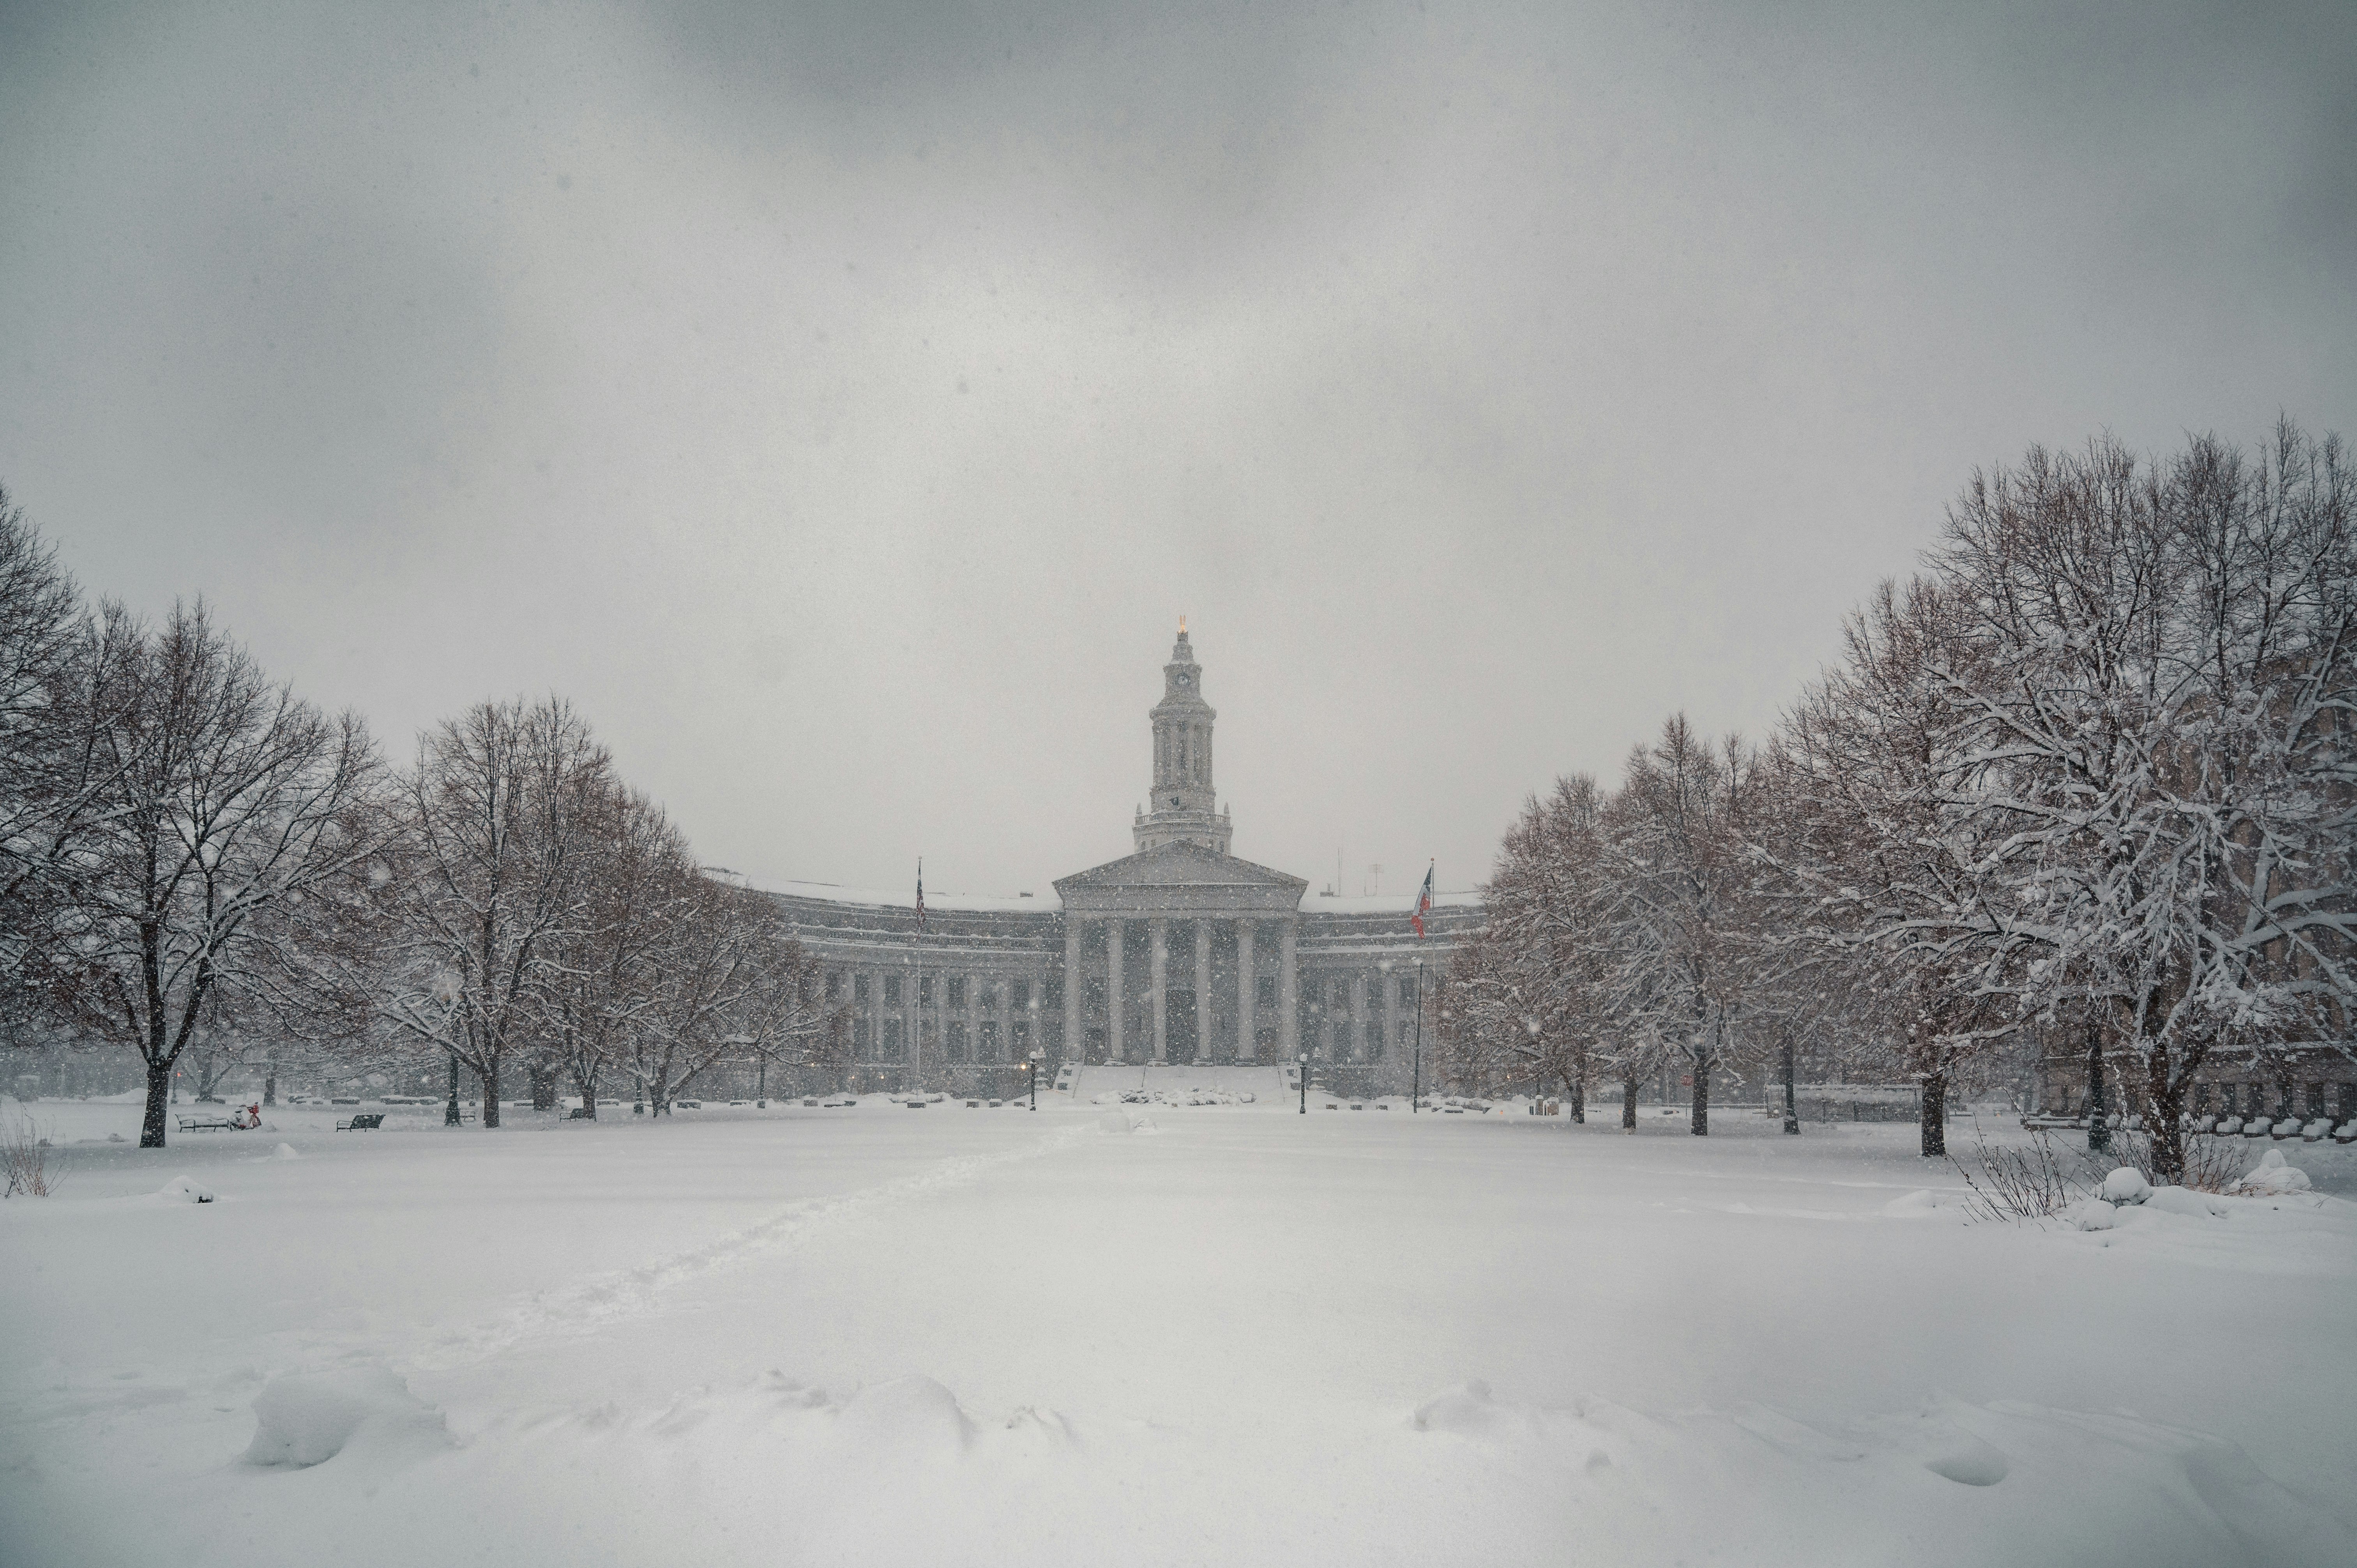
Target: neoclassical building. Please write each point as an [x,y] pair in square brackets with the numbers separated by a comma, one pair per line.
[1178,954]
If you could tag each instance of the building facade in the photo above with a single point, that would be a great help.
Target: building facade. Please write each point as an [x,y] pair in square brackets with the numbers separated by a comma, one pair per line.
[1178,954]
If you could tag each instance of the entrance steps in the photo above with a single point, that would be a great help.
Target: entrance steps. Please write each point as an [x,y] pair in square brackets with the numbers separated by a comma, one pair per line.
[1267,1084]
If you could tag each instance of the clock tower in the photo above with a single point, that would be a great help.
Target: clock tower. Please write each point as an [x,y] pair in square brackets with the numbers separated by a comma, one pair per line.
[1184,808]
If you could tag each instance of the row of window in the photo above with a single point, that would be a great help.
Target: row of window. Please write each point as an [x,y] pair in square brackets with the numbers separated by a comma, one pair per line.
[987,994]
[2264,1100]
[988,1045]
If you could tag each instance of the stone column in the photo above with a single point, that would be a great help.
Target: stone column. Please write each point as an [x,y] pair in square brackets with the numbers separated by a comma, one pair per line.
[1288,996]
[875,1051]
[1157,932]
[1075,1041]
[1112,989]
[1247,992]
[1359,1016]
[913,1018]
[1203,1012]
[974,1017]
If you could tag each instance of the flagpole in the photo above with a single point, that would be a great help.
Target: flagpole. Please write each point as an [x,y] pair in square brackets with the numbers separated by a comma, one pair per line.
[1416,1093]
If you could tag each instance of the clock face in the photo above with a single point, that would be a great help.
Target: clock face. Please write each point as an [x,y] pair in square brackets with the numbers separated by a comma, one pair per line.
[1186,680]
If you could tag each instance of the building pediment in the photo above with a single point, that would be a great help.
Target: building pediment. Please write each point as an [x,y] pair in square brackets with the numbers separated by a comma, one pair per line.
[1179,876]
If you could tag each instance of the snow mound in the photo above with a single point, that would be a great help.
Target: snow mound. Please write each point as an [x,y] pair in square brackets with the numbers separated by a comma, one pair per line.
[906,1412]
[2091,1214]
[284,1152]
[2183,1200]
[1126,1122]
[2272,1175]
[184,1190]
[1913,1205]
[2124,1185]
[307,1420]
[1467,1408]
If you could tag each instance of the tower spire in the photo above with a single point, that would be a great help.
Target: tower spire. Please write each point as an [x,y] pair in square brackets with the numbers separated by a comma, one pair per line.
[1186,805]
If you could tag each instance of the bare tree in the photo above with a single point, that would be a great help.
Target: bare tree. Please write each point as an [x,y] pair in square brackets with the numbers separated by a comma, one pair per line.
[489,875]
[228,835]
[734,985]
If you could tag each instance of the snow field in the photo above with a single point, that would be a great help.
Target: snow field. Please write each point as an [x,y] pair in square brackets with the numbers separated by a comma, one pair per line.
[904,1337]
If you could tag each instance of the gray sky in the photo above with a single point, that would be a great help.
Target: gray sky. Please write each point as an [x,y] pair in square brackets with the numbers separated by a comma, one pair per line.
[843,405]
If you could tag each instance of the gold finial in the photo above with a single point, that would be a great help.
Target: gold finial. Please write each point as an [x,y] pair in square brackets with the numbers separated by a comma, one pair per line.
[1182,626]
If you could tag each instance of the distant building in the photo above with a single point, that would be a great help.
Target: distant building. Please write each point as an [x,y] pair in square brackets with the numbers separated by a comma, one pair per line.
[1178,953]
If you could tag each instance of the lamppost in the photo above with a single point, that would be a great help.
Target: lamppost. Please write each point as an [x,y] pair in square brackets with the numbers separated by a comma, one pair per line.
[1305,1083]
[1034,1065]
[1385,965]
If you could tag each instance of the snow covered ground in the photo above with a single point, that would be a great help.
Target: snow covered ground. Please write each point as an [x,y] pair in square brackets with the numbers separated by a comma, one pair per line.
[1102,1335]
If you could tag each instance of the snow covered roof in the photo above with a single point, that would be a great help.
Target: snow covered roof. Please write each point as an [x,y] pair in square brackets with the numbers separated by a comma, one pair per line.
[905,897]
[1384,903]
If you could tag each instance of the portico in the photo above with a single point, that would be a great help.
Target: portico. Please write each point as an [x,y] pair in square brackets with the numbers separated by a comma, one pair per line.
[1206,1007]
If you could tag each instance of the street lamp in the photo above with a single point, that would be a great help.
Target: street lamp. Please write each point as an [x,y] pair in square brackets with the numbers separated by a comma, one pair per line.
[1034,1065]
[1305,1083]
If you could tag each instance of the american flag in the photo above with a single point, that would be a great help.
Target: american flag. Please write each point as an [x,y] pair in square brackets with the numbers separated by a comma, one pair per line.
[1422,902]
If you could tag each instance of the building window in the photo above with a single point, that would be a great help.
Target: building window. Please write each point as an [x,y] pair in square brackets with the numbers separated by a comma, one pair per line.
[1267,989]
[833,983]
[859,988]
[1021,1032]
[893,1050]
[957,1042]
[891,991]
[924,991]
[1022,994]
[989,1052]
[985,995]
[957,991]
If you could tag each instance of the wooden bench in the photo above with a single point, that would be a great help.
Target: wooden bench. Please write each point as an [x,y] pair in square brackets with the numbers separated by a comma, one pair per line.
[366,1124]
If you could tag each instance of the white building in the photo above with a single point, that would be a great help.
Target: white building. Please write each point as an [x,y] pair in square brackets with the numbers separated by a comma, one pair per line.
[1181,953]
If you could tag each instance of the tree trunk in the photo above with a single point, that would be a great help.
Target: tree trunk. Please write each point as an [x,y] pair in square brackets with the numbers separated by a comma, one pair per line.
[1580,1098]
[1792,1095]
[586,1082]
[270,1085]
[450,1116]
[2165,1103]
[1934,1114]
[159,1093]
[2099,1113]
[1629,1104]
[1701,1096]
[491,1094]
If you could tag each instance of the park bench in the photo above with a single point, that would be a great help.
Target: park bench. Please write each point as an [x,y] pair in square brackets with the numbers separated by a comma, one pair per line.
[368,1122]
[207,1124]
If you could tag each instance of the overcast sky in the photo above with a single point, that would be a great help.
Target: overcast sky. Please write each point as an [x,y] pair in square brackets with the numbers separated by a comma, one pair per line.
[842,404]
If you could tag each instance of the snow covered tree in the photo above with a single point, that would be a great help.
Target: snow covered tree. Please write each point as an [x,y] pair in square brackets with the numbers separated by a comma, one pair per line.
[487,877]
[51,783]
[228,833]
[1675,887]
[1890,913]
[2156,736]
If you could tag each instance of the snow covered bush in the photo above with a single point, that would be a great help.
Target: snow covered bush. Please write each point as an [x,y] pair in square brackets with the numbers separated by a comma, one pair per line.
[2273,1177]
